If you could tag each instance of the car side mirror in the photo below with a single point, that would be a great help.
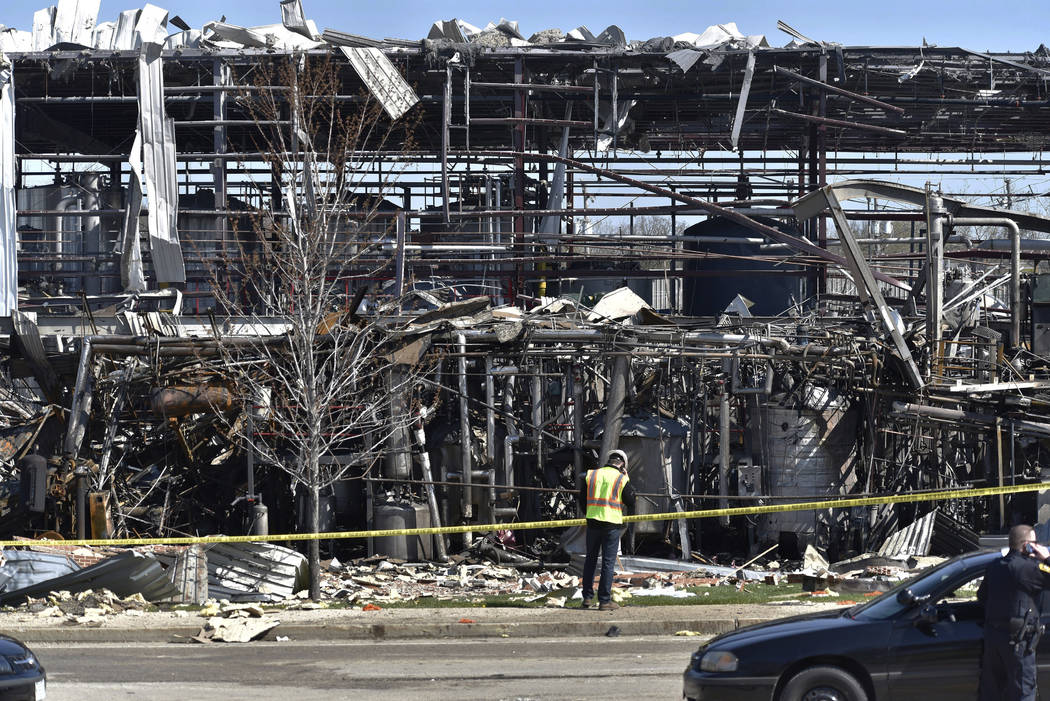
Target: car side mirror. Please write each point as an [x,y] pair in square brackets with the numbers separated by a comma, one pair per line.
[907,598]
[928,614]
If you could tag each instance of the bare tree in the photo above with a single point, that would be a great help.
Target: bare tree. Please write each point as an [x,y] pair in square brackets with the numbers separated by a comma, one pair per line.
[313,375]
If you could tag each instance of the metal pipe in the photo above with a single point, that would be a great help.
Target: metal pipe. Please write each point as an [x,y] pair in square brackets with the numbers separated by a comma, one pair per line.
[614,407]
[1015,265]
[513,436]
[676,338]
[536,391]
[576,380]
[435,512]
[80,407]
[490,428]
[837,90]
[723,453]
[1024,427]
[466,503]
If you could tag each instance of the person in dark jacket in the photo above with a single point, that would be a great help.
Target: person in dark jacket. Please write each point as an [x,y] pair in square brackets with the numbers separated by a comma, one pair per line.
[1009,593]
[603,496]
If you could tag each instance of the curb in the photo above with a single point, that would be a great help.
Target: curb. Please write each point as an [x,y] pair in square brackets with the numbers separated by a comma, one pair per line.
[393,631]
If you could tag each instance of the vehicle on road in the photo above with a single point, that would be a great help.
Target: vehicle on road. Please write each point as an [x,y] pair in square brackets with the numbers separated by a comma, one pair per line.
[920,640]
[22,677]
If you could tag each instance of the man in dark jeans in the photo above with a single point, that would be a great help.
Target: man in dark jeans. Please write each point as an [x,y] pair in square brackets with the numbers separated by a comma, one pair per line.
[604,494]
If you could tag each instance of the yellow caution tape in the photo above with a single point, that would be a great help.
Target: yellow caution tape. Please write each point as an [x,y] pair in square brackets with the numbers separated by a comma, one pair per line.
[943,495]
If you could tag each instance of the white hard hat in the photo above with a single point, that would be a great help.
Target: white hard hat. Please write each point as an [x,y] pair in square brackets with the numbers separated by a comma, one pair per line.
[618,454]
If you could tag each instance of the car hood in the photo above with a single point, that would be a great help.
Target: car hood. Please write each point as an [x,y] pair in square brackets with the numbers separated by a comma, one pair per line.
[9,646]
[793,625]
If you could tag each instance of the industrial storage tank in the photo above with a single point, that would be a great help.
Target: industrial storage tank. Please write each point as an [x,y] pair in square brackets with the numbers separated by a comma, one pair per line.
[655,448]
[735,268]
[397,514]
[807,446]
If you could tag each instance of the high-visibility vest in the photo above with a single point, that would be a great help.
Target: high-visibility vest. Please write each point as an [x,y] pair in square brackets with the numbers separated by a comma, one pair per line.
[604,488]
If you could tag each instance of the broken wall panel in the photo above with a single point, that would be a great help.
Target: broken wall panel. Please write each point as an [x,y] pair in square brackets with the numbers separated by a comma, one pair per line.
[159,168]
[8,213]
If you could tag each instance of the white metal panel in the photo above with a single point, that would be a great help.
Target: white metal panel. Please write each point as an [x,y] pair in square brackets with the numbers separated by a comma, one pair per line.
[75,21]
[12,40]
[8,221]
[102,37]
[44,29]
[131,275]
[151,26]
[160,174]
[124,36]
[382,79]
[293,19]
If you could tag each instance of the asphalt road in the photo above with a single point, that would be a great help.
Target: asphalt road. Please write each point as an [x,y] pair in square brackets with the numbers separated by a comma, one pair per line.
[564,668]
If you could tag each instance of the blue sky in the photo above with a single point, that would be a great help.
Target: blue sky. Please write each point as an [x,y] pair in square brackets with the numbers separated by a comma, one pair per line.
[1013,25]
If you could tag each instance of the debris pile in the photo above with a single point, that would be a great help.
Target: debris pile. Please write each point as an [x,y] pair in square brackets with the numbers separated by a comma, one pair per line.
[88,607]
[234,623]
[383,580]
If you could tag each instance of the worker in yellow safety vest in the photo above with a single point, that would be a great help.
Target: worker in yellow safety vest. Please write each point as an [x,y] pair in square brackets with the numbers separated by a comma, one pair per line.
[604,494]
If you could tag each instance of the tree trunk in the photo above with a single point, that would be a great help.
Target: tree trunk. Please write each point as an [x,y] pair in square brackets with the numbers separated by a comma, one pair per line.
[315,544]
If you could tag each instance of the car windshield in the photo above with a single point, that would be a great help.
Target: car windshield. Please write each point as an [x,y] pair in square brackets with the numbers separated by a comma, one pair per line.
[925,583]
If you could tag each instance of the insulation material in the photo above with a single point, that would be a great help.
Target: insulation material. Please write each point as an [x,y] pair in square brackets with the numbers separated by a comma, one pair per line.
[75,21]
[8,223]
[382,79]
[160,174]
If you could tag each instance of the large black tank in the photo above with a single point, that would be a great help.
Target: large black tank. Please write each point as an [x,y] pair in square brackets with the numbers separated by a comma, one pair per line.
[712,283]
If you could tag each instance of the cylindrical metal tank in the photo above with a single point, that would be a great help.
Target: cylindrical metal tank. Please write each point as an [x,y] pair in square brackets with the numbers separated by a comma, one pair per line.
[655,448]
[392,514]
[806,449]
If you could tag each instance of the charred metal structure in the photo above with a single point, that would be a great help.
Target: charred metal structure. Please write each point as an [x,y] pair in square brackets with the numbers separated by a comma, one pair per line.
[899,342]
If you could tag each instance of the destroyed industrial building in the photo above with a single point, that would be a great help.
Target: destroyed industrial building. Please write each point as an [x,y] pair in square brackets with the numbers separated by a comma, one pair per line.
[716,254]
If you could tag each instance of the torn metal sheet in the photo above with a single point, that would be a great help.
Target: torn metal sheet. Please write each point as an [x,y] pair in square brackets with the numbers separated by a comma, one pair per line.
[741,105]
[160,172]
[454,30]
[124,574]
[75,21]
[270,36]
[294,20]
[685,58]
[44,28]
[382,79]
[26,568]
[254,571]
[618,304]
[633,563]
[12,40]
[610,127]
[551,224]
[131,274]
[8,205]
[723,35]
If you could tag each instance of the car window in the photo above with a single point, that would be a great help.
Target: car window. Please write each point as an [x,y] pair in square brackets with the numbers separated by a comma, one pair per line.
[966,591]
[930,582]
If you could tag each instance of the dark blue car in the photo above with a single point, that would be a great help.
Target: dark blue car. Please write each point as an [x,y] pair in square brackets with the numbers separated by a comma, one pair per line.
[22,677]
[921,640]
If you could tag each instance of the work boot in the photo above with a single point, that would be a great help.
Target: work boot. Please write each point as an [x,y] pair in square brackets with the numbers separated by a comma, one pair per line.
[608,606]
[587,603]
